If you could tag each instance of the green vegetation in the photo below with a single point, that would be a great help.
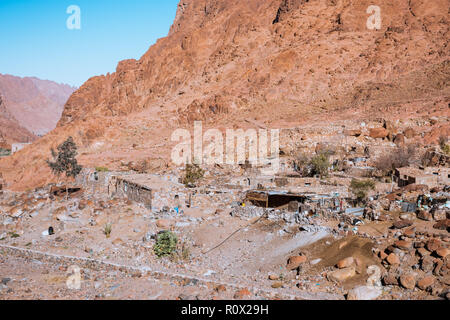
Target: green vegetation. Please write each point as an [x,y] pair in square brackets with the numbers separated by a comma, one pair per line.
[107,230]
[5,152]
[101,169]
[320,164]
[13,235]
[360,188]
[193,173]
[317,165]
[65,160]
[166,244]
[443,144]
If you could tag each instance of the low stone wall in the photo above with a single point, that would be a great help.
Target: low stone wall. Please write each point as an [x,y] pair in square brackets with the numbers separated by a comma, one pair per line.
[133,191]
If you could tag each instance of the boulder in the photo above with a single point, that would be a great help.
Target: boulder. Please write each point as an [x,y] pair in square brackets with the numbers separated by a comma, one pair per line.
[442,225]
[364,293]
[402,224]
[408,281]
[443,252]
[427,264]
[345,263]
[378,133]
[410,233]
[295,262]
[433,244]
[342,275]
[426,282]
[390,280]
[393,259]
[403,244]
[424,215]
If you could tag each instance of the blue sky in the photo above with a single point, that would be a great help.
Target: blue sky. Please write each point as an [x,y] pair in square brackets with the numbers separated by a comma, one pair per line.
[35,40]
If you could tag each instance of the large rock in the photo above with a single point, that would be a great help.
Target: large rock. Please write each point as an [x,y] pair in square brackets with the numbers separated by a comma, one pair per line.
[443,252]
[378,133]
[390,280]
[410,233]
[442,225]
[424,215]
[393,259]
[345,263]
[433,244]
[402,224]
[342,275]
[426,282]
[364,293]
[427,264]
[403,244]
[408,281]
[295,262]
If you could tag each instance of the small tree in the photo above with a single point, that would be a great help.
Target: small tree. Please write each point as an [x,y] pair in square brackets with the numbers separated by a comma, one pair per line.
[360,188]
[320,164]
[64,161]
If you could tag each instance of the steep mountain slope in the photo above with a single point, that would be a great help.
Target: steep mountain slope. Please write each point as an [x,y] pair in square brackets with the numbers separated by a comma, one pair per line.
[36,104]
[277,62]
[10,130]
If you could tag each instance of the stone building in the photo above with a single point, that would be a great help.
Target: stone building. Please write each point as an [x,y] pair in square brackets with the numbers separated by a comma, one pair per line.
[431,176]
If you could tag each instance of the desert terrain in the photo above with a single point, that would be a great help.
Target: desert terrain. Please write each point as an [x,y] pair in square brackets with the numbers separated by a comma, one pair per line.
[358,210]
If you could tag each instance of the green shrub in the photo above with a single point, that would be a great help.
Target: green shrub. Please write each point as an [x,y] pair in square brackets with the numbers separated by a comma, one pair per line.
[107,230]
[193,173]
[443,144]
[166,244]
[360,188]
[320,164]
[5,152]
[101,169]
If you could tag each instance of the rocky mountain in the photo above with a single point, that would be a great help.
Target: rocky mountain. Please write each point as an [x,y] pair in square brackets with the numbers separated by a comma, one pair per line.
[276,63]
[36,104]
[10,130]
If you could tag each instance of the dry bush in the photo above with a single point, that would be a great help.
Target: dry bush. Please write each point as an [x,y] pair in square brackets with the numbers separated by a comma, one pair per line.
[443,144]
[397,158]
[360,188]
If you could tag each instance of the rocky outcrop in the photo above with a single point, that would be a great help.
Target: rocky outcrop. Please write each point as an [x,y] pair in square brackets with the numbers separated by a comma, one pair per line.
[10,129]
[36,104]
